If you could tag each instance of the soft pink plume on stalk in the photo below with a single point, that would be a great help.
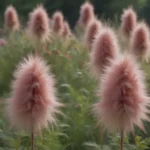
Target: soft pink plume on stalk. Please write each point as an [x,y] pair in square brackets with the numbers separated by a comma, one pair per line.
[11,19]
[57,24]
[33,101]
[104,50]
[140,40]
[93,28]
[66,29]
[129,20]
[124,102]
[86,14]
[38,25]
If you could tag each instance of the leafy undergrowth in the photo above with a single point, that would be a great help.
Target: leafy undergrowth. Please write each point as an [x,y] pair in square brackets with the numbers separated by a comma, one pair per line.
[76,129]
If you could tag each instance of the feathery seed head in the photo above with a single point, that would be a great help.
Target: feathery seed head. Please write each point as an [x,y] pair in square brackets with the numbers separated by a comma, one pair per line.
[129,20]
[86,14]
[140,40]
[38,25]
[104,50]
[93,28]
[33,101]
[11,19]
[124,101]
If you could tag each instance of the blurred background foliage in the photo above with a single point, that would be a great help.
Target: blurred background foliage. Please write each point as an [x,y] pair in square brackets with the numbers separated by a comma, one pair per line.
[107,9]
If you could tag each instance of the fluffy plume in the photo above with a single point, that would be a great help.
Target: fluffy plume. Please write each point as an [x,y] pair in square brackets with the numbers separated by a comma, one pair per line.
[33,101]
[104,50]
[91,31]
[57,25]
[66,29]
[11,19]
[124,99]
[86,14]
[140,40]
[38,25]
[129,20]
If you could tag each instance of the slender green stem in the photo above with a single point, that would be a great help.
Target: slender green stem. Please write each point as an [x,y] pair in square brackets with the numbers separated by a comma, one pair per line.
[32,134]
[121,140]
[102,133]
[32,139]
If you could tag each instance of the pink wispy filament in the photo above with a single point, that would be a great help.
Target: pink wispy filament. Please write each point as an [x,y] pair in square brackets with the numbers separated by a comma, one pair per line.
[11,19]
[33,102]
[140,40]
[124,102]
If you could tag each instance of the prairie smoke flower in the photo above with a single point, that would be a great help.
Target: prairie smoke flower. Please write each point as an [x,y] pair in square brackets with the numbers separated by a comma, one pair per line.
[104,50]
[33,101]
[11,19]
[38,25]
[66,29]
[91,31]
[140,44]
[57,24]
[128,21]
[124,99]
[86,14]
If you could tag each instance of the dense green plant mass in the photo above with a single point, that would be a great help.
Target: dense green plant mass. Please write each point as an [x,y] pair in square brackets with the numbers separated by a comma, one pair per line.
[77,89]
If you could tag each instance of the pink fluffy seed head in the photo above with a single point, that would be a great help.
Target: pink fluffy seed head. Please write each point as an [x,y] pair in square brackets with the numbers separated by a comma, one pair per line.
[140,40]
[129,20]
[33,101]
[104,50]
[66,29]
[57,25]
[38,25]
[91,31]
[86,14]
[11,19]
[124,102]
